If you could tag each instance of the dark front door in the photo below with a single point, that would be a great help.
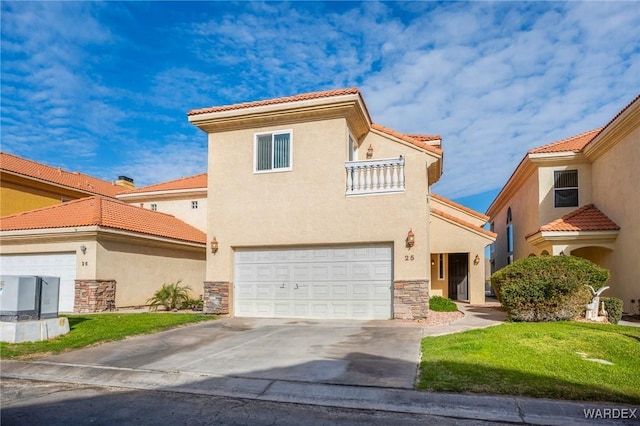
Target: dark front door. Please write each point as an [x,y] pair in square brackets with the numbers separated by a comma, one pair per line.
[458,275]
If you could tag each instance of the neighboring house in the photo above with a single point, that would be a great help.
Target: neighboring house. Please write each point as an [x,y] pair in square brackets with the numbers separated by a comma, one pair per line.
[184,198]
[578,196]
[104,251]
[316,212]
[26,185]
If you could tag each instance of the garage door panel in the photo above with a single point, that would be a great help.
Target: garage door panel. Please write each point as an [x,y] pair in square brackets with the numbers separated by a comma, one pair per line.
[341,282]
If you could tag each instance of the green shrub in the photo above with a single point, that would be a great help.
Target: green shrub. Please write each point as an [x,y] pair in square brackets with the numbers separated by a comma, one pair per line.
[613,306]
[171,296]
[547,288]
[194,304]
[441,304]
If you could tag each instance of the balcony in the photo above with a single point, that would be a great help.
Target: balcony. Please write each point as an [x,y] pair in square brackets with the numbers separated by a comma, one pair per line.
[375,176]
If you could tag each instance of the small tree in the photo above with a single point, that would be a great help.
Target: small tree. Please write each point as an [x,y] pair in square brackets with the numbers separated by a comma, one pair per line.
[547,288]
[171,296]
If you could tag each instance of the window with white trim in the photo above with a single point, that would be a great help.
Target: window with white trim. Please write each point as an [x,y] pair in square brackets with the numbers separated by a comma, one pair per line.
[154,207]
[565,188]
[272,152]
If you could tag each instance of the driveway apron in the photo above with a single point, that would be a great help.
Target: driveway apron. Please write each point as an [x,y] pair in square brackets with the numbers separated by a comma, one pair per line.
[364,353]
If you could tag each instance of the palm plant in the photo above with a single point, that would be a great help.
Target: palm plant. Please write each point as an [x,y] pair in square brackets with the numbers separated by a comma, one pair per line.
[171,296]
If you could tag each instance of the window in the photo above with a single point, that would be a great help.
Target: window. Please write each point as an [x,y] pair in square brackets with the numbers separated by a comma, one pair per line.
[509,237]
[441,266]
[272,152]
[565,188]
[194,204]
[154,207]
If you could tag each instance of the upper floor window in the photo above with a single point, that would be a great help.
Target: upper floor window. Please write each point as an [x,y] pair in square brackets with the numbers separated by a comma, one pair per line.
[565,188]
[154,207]
[272,151]
[194,204]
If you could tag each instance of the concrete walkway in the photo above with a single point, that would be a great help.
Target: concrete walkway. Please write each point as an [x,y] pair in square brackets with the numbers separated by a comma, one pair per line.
[458,406]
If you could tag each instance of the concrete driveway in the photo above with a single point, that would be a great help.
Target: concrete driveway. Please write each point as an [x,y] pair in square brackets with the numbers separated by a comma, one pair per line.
[364,353]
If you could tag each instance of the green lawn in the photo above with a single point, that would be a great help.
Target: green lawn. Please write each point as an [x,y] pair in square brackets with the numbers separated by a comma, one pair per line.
[98,328]
[536,359]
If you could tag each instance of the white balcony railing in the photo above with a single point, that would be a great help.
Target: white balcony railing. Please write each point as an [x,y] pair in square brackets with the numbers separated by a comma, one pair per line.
[375,176]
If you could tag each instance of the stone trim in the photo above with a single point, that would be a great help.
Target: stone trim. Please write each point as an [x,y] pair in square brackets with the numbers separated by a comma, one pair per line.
[411,299]
[216,297]
[94,296]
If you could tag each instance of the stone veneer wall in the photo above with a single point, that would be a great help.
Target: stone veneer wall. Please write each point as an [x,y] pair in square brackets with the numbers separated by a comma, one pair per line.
[410,299]
[94,296]
[216,297]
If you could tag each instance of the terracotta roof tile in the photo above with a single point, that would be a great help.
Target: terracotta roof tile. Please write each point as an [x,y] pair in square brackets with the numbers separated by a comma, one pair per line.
[104,212]
[586,218]
[56,175]
[574,143]
[189,182]
[424,138]
[282,100]
[412,140]
[463,223]
[460,206]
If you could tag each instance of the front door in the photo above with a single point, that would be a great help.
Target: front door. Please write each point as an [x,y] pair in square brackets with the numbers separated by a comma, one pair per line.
[458,275]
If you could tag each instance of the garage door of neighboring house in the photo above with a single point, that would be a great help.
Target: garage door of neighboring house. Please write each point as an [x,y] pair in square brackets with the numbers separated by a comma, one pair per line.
[323,283]
[61,265]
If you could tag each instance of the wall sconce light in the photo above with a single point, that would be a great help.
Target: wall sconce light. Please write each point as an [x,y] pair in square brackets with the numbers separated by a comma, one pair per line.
[214,245]
[83,249]
[411,238]
[476,260]
[370,152]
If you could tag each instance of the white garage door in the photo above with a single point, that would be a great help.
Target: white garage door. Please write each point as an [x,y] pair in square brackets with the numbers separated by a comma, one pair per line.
[61,265]
[330,283]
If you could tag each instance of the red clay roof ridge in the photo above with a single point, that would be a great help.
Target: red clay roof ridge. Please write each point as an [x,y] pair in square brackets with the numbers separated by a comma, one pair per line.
[565,140]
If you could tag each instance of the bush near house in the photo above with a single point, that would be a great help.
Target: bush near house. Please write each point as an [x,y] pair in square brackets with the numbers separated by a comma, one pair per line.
[613,306]
[547,288]
[171,296]
[442,304]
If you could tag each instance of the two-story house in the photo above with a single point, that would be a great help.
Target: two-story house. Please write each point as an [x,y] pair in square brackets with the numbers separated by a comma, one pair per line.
[577,196]
[314,211]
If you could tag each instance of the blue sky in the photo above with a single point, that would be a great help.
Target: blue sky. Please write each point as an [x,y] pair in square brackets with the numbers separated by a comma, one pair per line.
[103,88]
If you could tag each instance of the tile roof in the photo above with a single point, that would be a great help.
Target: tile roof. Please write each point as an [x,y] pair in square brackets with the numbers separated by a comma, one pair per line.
[107,213]
[574,143]
[460,206]
[463,223]
[55,175]
[586,218]
[282,100]
[424,138]
[189,182]
[412,140]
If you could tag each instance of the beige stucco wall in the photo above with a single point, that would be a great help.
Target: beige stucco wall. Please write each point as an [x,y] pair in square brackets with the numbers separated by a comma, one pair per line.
[180,207]
[459,213]
[548,212]
[140,268]
[616,176]
[525,219]
[308,206]
[447,237]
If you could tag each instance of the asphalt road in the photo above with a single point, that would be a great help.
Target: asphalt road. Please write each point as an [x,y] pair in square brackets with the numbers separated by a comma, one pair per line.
[33,403]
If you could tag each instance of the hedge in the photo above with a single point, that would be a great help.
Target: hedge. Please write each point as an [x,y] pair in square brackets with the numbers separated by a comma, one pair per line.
[613,306]
[441,304]
[547,288]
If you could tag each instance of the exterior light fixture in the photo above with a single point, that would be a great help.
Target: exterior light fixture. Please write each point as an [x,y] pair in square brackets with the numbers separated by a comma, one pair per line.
[411,238]
[370,152]
[476,260]
[214,245]
[83,249]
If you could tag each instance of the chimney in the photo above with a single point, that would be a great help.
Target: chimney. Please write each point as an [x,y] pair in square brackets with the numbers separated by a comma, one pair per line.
[125,182]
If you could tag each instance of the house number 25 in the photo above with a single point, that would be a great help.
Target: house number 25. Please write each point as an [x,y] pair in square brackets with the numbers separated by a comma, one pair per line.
[408,258]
